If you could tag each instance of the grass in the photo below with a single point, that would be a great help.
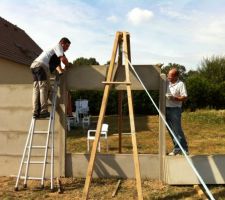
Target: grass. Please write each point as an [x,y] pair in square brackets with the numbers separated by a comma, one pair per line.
[201,128]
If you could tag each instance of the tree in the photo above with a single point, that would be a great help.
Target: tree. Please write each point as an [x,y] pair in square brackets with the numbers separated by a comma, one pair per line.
[213,69]
[85,61]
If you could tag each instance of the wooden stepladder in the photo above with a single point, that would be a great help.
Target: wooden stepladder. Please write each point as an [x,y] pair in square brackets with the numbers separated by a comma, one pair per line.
[122,42]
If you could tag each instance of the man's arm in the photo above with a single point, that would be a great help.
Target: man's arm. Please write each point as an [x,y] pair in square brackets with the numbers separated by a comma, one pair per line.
[65,61]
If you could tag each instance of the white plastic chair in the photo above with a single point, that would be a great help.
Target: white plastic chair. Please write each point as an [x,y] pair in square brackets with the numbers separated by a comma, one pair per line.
[82,108]
[72,121]
[86,121]
[104,135]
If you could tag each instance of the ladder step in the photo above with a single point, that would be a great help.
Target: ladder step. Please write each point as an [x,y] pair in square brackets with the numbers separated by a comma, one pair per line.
[38,147]
[37,162]
[46,118]
[40,131]
[52,79]
[30,178]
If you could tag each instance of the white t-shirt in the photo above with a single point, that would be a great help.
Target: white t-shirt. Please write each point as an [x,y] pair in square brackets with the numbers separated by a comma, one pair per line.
[176,89]
[45,56]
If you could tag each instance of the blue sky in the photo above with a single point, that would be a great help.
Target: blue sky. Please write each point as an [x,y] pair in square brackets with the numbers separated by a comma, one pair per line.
[162,31]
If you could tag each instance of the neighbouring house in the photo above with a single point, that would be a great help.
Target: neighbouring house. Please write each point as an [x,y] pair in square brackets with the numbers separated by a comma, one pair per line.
[17,51]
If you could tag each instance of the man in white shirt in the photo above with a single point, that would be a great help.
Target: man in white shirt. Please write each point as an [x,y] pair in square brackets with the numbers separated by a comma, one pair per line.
[175,95]
[41,67]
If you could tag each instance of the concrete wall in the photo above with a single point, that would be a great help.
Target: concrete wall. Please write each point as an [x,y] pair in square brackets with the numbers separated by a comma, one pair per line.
[91,77]
[176,169]
[15,118]
[210,167]
[113,165]
[14,73]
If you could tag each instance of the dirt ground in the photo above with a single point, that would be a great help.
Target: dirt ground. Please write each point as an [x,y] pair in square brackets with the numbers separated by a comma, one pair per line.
[102,189]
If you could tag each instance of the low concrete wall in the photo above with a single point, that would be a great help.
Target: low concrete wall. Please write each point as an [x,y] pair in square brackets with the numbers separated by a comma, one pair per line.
[177,170]
[108,165]
[210,167]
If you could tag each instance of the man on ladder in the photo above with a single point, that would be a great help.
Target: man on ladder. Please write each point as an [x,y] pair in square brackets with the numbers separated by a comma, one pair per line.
[45,63]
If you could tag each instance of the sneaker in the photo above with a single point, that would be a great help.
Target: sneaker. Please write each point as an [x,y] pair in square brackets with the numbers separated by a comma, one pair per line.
[44,115]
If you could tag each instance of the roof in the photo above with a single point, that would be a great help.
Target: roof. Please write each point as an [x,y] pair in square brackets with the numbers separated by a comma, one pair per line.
[16,45]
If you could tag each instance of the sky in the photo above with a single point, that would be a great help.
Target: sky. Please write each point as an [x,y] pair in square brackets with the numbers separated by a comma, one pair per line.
[161,31]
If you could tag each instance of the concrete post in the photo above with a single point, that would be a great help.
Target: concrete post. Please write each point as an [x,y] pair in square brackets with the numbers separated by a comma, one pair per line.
[162,127]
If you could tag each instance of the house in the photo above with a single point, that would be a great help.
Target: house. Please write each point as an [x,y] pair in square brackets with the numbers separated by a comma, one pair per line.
[17,51]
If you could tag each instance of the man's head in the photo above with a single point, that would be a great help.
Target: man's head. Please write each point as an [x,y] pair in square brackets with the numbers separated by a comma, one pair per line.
[173,75]
[65,43]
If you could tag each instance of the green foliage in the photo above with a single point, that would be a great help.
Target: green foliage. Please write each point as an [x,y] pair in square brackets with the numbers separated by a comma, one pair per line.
[206,86]
[85,61]
[198,89]
[213,69]
[141,102]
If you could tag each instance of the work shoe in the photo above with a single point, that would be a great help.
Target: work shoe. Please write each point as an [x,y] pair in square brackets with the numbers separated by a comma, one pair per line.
[44,115]
[35,115]
[178,152]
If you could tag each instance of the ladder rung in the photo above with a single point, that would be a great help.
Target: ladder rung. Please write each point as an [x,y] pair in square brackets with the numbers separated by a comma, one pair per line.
[37,147]
[40,131]
[117,82]
[37,162]
[30,178]
[46,118]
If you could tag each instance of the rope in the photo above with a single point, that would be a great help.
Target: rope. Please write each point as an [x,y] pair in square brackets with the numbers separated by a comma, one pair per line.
[172,133]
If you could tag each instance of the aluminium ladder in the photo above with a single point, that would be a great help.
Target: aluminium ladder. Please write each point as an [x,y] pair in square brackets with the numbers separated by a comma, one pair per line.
[29,146]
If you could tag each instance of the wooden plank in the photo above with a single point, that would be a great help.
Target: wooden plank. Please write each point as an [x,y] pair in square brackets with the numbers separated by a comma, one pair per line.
[131,116]
[120,98]
[116,82]
[116,189]
[100,120]
[59,185]
[120,118]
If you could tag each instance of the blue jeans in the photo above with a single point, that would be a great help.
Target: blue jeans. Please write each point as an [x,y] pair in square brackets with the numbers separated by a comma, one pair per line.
[173,118]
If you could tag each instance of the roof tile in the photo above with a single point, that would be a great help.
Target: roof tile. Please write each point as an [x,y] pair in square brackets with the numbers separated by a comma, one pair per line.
[16,45]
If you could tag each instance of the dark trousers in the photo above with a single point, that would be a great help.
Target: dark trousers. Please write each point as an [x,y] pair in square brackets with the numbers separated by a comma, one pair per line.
[173,119]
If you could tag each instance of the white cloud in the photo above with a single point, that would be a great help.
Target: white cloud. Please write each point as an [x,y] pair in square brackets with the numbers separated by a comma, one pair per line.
[112,18]
[138,16]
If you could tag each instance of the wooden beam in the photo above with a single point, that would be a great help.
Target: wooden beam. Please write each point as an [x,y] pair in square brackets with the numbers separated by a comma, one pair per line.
[120,118]
[131,116]
[100,120]
[120,97]
[116,82]
[116,189]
